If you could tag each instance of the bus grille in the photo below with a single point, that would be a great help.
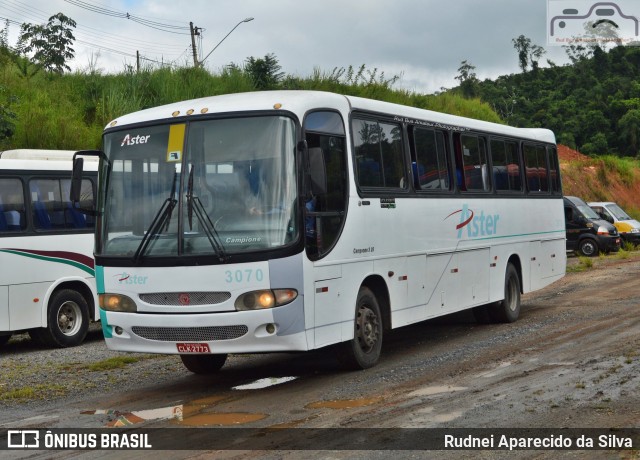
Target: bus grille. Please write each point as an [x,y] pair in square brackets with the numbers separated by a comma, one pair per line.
[190,334]
[185,298]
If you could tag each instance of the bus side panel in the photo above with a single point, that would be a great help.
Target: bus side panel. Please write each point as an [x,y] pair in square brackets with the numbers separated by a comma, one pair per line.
[548,259]
[473,273]
[26,305]
[442,283]
[4,308]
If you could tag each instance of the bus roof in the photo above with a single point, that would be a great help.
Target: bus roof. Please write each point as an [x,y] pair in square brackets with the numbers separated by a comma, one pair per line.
[42,160]
[299,102]
[40,154]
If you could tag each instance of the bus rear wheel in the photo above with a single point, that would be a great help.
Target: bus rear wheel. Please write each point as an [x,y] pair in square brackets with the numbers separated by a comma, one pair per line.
[67,320]
[363,351]
[507,310]
[204,364]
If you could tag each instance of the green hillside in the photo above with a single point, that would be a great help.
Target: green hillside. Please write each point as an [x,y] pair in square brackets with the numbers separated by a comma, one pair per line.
[44,109]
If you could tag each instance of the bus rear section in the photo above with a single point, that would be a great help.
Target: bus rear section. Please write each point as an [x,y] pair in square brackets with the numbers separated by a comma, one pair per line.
[47,284]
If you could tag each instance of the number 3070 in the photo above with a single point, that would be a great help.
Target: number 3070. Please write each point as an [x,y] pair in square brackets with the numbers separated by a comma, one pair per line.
[243,276]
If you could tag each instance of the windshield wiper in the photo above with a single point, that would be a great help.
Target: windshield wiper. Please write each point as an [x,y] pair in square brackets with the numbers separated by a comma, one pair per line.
[195,205]
[161,220]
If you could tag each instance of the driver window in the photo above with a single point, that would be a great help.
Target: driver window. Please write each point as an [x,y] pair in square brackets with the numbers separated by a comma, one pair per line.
[325,210]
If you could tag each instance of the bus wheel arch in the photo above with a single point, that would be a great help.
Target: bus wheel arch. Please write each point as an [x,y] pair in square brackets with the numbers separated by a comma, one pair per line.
[68,315]
[371,318]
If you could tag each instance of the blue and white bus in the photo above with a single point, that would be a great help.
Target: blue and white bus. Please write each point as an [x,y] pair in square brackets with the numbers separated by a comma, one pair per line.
[296,220]
[47,284]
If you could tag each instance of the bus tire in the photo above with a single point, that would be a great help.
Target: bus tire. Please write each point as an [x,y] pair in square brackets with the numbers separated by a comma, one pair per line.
[363,351]
[4,339]
[507,310]
[204,364]
[588,247]
[67,320]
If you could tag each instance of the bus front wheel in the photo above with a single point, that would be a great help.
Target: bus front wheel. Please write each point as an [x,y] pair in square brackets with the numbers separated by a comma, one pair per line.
[507,310]
[67,320]
[203,364]
[363,351]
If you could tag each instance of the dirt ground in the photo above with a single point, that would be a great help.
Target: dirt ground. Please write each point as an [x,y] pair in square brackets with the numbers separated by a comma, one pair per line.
[572,360]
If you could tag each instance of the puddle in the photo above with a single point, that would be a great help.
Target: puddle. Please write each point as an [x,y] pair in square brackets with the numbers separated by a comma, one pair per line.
[430,391]
[177,412]
[344,403]
[496,371]
[221,419]
[443,418]
[264,383]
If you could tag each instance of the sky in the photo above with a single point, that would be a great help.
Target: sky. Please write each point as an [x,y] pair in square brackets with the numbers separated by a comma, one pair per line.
[423,42]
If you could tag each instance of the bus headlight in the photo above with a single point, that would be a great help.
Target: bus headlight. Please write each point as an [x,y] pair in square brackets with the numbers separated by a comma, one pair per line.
[267,298]
[117,302]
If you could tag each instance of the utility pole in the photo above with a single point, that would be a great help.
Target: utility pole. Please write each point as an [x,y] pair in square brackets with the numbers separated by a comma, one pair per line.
[137,61]
[194,31]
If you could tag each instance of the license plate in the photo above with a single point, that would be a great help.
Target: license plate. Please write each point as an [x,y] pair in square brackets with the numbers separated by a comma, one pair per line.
[193,348]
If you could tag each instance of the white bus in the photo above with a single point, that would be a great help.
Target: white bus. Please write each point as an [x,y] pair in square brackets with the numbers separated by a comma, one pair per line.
[47,284]
[295,220]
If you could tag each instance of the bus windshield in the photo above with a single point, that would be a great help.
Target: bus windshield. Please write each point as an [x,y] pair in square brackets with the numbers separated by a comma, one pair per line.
[206,188]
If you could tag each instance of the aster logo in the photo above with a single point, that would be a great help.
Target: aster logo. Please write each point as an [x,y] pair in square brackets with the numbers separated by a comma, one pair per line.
[475,225]
[127,278]
[131,140]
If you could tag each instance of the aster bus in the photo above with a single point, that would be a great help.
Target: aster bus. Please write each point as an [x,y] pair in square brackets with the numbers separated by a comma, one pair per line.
[296,220]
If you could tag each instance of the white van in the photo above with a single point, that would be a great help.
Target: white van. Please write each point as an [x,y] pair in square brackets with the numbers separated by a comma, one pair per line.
[628,228]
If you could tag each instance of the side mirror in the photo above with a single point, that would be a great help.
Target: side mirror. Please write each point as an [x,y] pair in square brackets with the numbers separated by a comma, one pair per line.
[75,192]
[76,180]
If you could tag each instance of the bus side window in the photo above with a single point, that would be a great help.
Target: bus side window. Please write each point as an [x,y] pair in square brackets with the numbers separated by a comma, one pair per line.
[378,153]
[475,164]
[431,167]
[12,209]
[554,177]
[535,159]
[506,166]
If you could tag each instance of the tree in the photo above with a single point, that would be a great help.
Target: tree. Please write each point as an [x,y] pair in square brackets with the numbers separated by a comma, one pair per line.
[265,73]
[535,54]
[468,80]
[528,53]
[51,43]
[629,126]
[522,45]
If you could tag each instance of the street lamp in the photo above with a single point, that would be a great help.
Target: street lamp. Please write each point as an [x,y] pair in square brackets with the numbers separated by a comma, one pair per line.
[214,48]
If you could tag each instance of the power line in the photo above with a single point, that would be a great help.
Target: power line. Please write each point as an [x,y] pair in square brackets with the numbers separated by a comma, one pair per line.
[85,35]
[117,14]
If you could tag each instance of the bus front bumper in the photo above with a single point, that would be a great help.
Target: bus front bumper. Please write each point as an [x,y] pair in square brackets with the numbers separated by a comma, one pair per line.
[233,332]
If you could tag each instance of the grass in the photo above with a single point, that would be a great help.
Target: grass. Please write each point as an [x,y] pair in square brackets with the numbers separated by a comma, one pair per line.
[43,391]
[117,362]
